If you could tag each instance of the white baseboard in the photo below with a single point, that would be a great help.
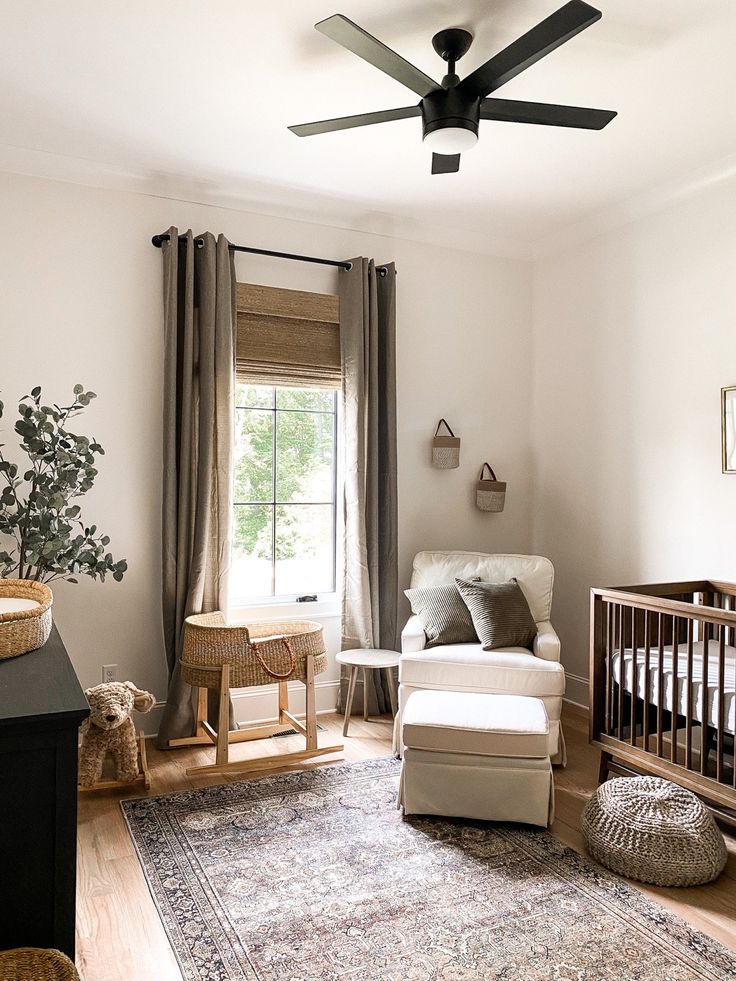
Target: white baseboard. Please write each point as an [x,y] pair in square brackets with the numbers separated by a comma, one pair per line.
[576,690]
[259,704]
[151,721]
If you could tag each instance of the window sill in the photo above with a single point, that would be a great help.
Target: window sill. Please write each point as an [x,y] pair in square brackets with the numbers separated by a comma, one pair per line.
[324,609]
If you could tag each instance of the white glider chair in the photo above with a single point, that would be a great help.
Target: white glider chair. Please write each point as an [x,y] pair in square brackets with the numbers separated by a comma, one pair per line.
[467,667]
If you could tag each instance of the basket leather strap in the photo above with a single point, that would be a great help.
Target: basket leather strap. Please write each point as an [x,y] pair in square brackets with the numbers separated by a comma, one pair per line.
[443,422]
[490,471]
[273,674]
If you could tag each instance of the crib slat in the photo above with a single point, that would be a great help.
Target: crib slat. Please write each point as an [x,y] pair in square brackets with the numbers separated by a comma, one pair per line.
[609,667]
[634,678]
[616,615]
[705,631]
[720,694]
[621,673]
[660,680]
[675,686]
[688,614]
[647,646]
[689,711]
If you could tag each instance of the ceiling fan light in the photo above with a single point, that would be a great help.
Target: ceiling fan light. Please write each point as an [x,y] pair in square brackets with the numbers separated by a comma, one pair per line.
[450,139]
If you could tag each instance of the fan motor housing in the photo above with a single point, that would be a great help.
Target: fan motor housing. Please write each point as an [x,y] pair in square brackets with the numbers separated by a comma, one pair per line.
[449,108]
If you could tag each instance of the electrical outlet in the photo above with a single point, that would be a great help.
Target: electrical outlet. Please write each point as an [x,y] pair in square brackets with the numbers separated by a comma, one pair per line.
[109,673]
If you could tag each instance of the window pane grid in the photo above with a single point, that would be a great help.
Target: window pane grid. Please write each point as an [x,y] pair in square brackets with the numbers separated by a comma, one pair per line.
[283,504]
[302,412]
[286,538]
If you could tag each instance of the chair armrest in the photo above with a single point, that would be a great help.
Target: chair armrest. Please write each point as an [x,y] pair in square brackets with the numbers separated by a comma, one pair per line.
[546,643]
[413,637]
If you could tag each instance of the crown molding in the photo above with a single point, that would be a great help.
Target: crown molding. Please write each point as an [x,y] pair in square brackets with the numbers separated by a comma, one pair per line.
[315,207]
[269,200]
[655,199]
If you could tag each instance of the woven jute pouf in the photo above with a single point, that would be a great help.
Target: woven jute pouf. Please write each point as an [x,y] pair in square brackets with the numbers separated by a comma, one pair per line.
[650,829]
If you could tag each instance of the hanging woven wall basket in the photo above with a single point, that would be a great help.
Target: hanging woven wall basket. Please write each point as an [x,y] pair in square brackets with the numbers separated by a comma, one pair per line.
[445,449]
[490,494]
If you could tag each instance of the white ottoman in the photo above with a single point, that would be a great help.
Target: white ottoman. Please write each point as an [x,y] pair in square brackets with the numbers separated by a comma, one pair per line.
[476,755]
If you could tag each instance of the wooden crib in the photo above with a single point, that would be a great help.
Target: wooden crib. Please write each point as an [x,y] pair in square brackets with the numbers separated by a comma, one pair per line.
[663,685]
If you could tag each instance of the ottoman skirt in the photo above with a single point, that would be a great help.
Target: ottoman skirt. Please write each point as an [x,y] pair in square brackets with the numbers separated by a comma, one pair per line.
[486,788]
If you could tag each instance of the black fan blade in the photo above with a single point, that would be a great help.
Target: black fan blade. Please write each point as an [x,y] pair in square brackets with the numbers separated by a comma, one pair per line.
[545,114]
[350,122]
[559,27]
[370,49]
[445,163]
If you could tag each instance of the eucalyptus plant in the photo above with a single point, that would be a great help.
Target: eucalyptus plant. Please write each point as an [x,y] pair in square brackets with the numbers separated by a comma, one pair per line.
[41,527]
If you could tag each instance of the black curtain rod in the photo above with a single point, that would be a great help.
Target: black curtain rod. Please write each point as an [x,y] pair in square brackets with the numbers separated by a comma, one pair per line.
[158,241]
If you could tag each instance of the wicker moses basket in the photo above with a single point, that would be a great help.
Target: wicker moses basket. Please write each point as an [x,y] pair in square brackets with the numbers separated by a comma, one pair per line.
[257,653]
[218,656]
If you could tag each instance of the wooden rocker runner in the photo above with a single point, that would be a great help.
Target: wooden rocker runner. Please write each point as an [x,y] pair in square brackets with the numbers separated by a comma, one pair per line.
[218,656]
[142,779]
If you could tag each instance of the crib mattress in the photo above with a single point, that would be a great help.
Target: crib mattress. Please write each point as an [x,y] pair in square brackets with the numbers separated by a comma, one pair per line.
[680,700]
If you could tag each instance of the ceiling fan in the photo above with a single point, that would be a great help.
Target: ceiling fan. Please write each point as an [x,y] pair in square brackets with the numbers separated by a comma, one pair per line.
[451,111]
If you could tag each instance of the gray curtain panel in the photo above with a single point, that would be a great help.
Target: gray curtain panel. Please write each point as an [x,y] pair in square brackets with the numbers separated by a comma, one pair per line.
[368,344]
[199,359]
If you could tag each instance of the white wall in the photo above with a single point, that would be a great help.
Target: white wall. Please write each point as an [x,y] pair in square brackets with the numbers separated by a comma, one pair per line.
[634,335]
[81,289]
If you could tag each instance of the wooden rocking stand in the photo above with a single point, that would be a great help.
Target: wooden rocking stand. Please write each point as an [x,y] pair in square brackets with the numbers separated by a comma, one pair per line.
[144,774]
[206,735]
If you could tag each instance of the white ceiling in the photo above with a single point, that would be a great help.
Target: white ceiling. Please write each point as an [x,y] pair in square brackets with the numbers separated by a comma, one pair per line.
[191,99]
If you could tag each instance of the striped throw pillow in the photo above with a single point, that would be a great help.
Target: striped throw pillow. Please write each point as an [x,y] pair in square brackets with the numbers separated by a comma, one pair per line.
[443,615]
[500,613]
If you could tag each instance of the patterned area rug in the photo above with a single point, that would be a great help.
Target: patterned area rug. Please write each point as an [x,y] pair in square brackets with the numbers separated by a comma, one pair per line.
[315,876]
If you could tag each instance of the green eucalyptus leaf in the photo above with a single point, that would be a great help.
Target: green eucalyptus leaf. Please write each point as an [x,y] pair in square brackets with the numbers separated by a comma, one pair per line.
[34,509]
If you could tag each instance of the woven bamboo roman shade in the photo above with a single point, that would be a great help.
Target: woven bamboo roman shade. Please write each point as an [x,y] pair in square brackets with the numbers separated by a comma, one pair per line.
[287,337]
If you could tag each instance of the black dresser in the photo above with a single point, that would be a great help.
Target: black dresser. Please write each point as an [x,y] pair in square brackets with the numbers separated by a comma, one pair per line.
[41,708]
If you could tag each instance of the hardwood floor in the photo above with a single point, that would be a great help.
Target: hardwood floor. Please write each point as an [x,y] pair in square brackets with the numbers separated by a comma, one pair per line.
[119,934]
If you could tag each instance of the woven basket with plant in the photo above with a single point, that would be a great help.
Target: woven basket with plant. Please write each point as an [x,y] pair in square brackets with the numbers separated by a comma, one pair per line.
[42,535]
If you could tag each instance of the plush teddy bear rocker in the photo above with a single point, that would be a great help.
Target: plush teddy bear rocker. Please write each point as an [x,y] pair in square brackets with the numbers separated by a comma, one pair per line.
[110,729]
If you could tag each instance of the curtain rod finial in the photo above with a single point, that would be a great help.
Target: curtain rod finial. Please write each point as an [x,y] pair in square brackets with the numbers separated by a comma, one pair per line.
[158,240]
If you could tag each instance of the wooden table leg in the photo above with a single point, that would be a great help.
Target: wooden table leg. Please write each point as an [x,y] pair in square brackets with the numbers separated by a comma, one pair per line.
[283,699]
[311,712]
[391,689]
[201,710]
[223,716]
[365,694]
[349,698]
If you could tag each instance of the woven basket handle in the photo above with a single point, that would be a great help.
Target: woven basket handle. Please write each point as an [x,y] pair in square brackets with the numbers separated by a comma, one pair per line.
[490,471]
[443,422]
[273,674]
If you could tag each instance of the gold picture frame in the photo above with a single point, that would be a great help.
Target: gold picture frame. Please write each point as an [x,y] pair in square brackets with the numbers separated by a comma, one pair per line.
[728,429]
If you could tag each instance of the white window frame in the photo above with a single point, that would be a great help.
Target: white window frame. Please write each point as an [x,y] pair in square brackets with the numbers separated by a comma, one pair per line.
[327,605]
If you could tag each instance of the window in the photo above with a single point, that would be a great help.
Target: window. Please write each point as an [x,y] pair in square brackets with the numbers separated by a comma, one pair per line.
[285,492]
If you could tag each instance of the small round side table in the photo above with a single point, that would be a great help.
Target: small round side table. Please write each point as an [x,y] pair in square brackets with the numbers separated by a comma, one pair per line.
[369,659]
